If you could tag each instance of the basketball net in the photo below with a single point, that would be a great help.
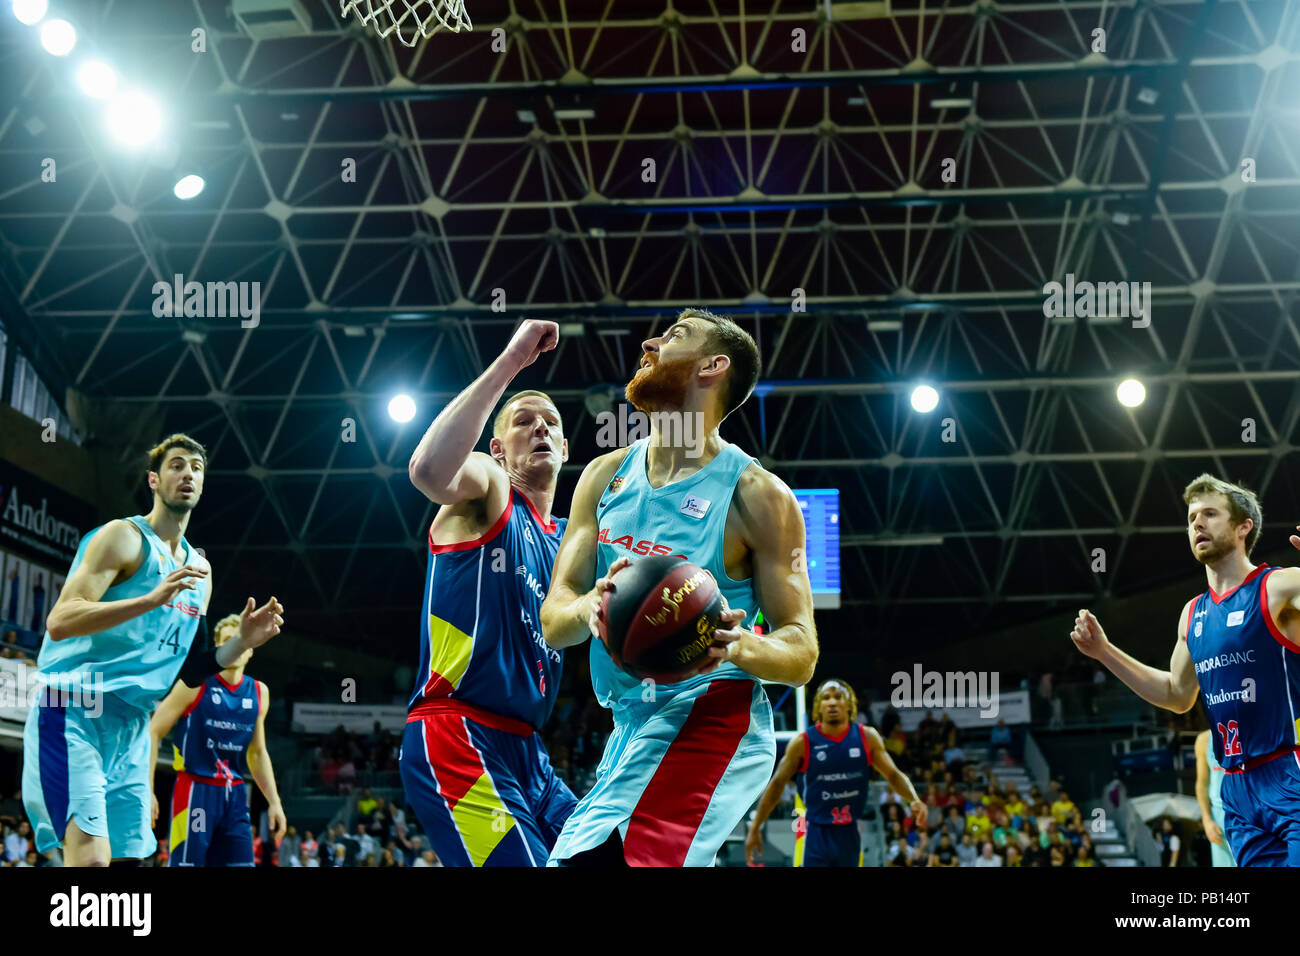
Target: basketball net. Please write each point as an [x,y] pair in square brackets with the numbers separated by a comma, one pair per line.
[414,18]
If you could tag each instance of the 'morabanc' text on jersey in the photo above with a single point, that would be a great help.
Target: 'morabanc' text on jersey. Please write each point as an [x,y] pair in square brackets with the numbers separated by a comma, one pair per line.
[1248,670]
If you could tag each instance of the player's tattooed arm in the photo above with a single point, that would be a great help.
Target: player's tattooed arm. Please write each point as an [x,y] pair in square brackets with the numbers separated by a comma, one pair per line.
[113,554]
[568,612]
[1175,689]
[444,466]
[898,781]
[773,529]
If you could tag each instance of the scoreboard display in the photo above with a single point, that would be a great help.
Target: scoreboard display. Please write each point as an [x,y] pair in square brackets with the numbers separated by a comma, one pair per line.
[821,518]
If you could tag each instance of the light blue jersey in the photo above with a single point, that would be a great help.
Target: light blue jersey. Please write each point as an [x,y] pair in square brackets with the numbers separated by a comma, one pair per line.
[88,758]
[139,660]
[687,518]
[685,763]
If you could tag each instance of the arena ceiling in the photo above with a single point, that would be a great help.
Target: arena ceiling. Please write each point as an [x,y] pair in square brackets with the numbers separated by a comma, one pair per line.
[776,169]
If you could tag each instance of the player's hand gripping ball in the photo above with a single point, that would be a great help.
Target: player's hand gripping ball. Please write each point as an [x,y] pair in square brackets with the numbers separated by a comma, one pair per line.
[658,617]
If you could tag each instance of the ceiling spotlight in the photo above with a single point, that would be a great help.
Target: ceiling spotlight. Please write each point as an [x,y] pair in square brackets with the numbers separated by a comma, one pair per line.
[1131,393]
[134,119]
[951,103]
[924,399]
[30,12]
[401,408]
[187,187]
[58,37]
[97,79]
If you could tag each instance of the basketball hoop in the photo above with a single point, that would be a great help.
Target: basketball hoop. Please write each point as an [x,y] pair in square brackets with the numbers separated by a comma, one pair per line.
[418,18]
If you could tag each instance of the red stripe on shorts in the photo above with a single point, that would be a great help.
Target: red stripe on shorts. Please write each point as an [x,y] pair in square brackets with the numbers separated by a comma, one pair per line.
[455,760]
[672,807]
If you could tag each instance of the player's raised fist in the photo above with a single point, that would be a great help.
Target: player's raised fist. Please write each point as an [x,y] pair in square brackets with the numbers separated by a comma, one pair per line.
[531,339]
[1088,636]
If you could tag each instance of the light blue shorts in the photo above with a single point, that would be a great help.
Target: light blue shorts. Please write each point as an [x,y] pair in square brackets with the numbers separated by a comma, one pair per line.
[91,769]
[677,776]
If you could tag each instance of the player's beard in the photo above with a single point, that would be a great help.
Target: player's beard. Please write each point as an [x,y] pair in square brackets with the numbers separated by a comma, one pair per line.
[1220,547]
[662,385]
[177,505]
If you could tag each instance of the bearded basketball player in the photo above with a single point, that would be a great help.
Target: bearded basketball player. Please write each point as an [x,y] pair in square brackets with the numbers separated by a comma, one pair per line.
[473,765]
[1238,646]
[685,760]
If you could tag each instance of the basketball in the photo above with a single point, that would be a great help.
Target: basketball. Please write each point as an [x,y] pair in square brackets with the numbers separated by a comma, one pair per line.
[658,620]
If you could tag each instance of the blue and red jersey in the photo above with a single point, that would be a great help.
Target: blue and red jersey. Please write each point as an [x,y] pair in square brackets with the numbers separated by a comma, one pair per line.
[481,638]
[212,737]
[1249,672]
[834,775]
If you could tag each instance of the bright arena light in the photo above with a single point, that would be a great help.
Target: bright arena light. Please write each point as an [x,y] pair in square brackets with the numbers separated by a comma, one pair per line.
[402,408]
[1131,393]
[187,187]
[97,79]
[134,119]
[58,37]
[924,398]
[30,12]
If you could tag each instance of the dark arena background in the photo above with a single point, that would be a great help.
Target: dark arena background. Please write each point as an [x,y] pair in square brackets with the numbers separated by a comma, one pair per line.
[907,204]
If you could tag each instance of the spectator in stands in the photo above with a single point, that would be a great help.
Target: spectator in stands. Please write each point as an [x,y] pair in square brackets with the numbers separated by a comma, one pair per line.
[366,803]
[310,845]
[1063,809]
[1056,856]
[945,854]
[1015,807]
[329,773]
[896,744]
[895,844]
[372,860]
[1001,833]
[380,822]
[387,859]
[1169,843]
[1013,856]
[953,755]
[1084,857]
[955,825]
[30,860]
[428,858]
[365,842]
[11,810]
[18,842]
[987,857]
[966,852]
[978,824]
[396,814]
[340,854]
[919,851]
[347,775]
[290,843]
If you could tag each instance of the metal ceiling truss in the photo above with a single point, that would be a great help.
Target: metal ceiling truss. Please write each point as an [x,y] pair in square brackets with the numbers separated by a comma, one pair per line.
[775,171]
